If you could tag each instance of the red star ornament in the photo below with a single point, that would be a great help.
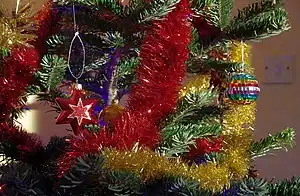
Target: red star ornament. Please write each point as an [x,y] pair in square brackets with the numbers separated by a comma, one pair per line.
[76,111]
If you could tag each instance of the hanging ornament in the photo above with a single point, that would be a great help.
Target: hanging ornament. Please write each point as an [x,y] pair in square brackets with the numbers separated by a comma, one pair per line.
[111,112]
[76,111]
[243,88]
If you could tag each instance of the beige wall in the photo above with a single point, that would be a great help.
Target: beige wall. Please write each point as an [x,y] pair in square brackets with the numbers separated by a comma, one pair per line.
[278,105]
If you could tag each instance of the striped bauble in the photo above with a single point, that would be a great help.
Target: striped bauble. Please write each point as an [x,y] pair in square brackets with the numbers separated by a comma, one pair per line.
[243,88]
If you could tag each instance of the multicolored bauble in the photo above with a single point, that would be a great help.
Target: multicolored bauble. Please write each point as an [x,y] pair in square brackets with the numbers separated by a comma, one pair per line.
[243,88]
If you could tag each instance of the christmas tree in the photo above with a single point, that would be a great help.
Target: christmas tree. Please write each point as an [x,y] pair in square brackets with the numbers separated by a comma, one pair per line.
[159,95]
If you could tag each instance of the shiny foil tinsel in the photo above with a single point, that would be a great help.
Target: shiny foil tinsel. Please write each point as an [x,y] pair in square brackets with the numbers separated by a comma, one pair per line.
[18,29]
[237,122]
[236,55]
[238,135]
[196,84]
[153,97]
[150,165]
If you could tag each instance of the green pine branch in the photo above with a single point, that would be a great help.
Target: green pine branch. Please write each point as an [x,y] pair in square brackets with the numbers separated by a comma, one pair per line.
[135,4]
[253,187]
[177,139]
[101,5]
[195,117]
[185,187]
[138,11]
[224,66]
[194,107]
[281,140]
[259,21]
[257,8]
[203,65]
[55,148]
[152,10]
[20,178]
[52,72]
[113,39]
[285,187]
[98,64]
[126,72]
[87,165]
[215,12]
[260,187]
[88,177]
[55,41]
[4,52]
[92,128]
[225,8]
[209,9]
[199,61]
[127,66]
[195,47]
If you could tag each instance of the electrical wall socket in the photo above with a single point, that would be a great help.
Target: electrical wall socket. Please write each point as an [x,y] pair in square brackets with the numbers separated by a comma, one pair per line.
[279,69]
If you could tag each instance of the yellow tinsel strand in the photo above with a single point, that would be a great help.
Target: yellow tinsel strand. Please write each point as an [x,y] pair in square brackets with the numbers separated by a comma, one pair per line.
[237,122]
[13,29]
[150,165]
[238,137]
[196,84]
[237,133]
[239,118]
[236,54]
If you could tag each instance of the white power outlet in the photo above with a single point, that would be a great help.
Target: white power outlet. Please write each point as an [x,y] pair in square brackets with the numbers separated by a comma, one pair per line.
[279,69]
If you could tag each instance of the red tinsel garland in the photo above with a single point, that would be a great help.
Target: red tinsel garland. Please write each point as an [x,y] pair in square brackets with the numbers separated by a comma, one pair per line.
[19,67]
[163,53]
[48,25]
[17,72]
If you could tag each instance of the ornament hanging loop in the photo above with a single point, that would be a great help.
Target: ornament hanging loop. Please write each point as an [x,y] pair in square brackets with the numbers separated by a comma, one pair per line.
[17,7]
[78,86]
[74,19]
[243,57]
[76,36]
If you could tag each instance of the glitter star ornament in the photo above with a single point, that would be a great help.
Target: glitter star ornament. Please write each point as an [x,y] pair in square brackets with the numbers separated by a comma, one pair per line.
[76,111]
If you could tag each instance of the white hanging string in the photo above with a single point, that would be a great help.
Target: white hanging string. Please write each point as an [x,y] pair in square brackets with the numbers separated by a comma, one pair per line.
[17,7]
[243,58]
[76,35]
[74,18]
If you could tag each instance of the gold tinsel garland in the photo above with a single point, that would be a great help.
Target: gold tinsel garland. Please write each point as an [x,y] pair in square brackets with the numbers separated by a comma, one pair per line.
[236,49]
[237,122]
[150,165]
[17,29]
[211,176]
[237,134]
[196,84]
